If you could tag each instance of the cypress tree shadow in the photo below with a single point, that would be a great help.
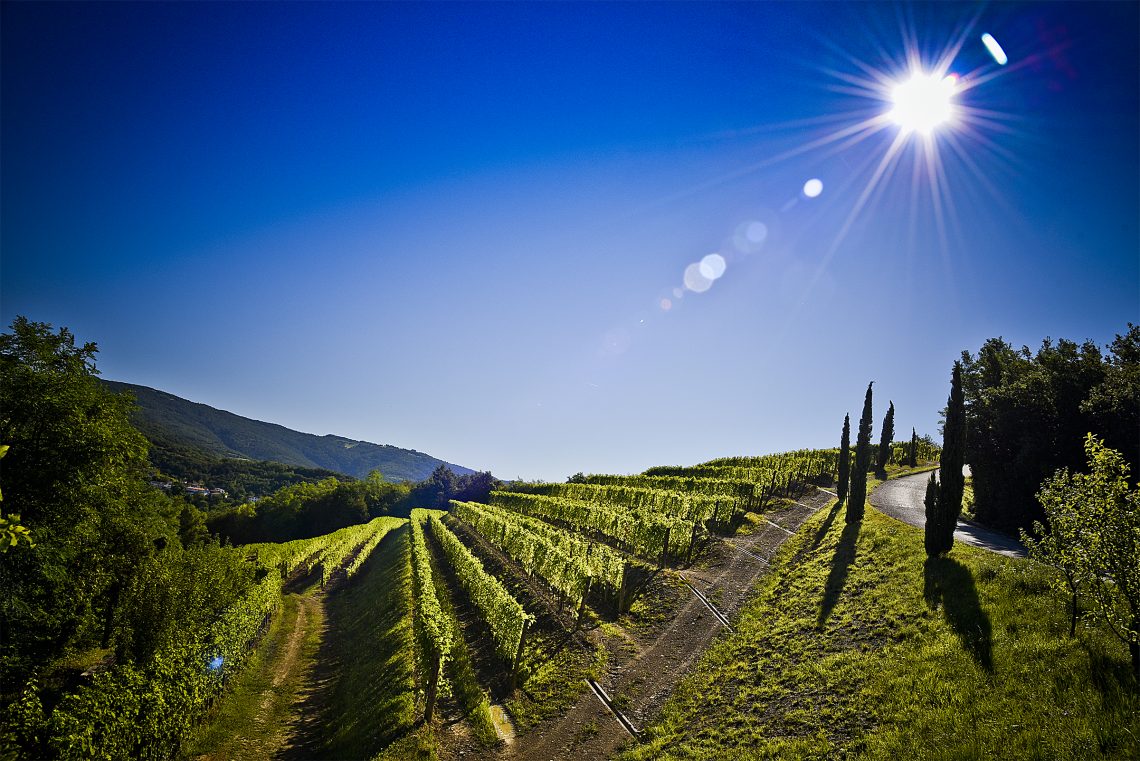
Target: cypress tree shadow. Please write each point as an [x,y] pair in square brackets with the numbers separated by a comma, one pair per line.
[949,583]
[824,527]
[840,567]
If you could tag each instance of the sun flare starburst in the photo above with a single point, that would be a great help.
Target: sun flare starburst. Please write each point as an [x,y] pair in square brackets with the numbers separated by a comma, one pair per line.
[923,102]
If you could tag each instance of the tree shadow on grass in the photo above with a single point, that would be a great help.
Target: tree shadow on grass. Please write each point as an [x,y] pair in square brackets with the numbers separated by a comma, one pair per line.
[949,583]
[840,566]
[1112,676]
[824,527]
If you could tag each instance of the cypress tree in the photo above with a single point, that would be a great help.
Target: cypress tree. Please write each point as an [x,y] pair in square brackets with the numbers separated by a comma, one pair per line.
[885,439]
[912,459]
[844,460]
[951,482]
[933,538]
[858,493]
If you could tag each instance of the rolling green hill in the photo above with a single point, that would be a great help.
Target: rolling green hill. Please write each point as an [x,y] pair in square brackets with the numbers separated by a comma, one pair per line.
[170,421]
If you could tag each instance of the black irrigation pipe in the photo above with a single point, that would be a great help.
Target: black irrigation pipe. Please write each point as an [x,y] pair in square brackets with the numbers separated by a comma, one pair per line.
[602,696]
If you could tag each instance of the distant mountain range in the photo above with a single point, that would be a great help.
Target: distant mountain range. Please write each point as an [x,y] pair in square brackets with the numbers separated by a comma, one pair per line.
[172,421]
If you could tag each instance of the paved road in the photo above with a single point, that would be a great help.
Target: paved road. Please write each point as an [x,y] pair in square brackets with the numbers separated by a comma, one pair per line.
[902,498]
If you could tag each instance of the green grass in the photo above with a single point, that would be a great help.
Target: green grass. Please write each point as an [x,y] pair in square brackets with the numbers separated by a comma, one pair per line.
[855,645]
[371,701]
[416,746]
[552,677]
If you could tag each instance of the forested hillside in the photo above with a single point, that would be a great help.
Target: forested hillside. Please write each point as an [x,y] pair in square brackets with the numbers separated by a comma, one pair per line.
[170,421]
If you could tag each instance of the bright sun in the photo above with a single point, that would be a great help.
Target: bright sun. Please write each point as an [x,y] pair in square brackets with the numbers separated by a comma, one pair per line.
[923,102]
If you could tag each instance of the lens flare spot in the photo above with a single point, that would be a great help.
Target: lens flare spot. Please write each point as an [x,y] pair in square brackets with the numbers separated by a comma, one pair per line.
[712,266]
[750,236]
[695,281]
[616,342]
[995,49]
[813,187]
[666,305]
[678,293]
[923,102]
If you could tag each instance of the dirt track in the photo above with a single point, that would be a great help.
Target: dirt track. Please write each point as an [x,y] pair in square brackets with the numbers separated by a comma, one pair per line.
[641,678]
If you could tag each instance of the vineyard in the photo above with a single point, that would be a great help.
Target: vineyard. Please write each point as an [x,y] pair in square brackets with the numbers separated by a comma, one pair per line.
[506,602]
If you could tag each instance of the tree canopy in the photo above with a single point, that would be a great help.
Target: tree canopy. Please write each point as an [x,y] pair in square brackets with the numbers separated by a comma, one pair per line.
[1027,414]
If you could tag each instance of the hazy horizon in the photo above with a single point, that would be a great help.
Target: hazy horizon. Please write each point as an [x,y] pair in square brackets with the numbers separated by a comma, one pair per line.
[462,229]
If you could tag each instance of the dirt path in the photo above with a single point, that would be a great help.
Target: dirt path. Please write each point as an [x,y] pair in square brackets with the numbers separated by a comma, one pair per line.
[255,720]
[902,499]
[641,677]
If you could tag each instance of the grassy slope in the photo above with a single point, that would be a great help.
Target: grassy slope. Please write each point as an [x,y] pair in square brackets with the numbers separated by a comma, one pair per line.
[855,646]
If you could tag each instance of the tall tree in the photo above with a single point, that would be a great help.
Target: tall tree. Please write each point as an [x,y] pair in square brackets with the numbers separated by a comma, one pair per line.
[942,516]
[951,480]
[858,493]
[1028,411]
[844,460]
[912,456]
[885,439]
[74,474]
[934,531]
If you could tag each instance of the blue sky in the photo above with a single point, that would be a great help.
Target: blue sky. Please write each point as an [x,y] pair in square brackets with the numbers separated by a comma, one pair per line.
[451,227]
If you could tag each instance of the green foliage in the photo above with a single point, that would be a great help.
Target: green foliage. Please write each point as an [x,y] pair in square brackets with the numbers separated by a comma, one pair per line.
[1094,539]
[843,480]
[309,509]
[564,560]
[640,532]
[687,505]
[912,451]
[858,494]
[1028,412]
[772,475]
[443,485]
[744,492]
[74,475]
[11,532]
[883,454]
[146,709]
[380,529]
[951,479]
[242,479]
[495,604]
[434,633]
[934,531]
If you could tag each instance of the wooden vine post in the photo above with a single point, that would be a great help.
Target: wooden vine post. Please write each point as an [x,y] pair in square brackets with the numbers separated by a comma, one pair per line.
[623,600]
[518,653]
[432,686]
[692,543]
[665,548]
[582,604]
